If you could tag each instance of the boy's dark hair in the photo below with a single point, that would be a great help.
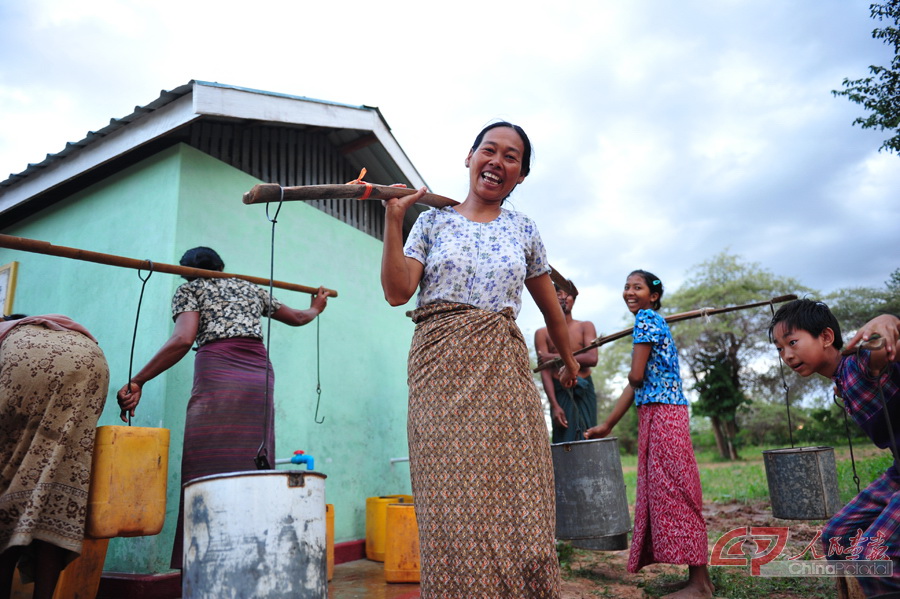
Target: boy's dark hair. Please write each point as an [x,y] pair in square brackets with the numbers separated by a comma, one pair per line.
[653,283]
[807,315]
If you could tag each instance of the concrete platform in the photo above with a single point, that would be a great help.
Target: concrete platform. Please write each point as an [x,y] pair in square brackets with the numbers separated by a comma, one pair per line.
[364,579]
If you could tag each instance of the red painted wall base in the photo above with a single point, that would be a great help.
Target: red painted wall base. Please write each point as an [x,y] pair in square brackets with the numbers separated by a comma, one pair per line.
[116,585]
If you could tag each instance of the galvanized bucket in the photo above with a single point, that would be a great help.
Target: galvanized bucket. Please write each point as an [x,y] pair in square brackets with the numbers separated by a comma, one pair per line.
[259,534]
[610,543]
[802,482]
[591,505]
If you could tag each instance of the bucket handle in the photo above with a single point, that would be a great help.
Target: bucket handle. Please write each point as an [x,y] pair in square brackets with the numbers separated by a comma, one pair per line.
[137,317]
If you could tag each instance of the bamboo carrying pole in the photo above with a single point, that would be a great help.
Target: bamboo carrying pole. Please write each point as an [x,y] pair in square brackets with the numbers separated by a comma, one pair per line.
[557,362]
[273,192]
[560,281]
[43,247]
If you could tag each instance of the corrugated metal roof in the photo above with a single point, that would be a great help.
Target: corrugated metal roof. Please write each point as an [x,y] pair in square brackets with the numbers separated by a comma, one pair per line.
[165,97]
[359,133]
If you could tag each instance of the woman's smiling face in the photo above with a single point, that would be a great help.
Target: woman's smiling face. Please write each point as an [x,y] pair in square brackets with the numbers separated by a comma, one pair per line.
[637,294]
[495,166]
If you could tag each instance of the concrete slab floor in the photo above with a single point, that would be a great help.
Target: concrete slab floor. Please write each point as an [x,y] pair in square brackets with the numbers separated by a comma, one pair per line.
[364,579]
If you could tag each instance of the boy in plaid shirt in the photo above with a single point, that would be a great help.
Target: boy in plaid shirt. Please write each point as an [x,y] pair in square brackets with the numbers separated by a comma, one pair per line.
[808,339]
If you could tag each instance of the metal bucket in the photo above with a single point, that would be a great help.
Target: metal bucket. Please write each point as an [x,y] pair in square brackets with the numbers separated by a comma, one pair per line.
[259,534]
[591,505]
[610,543]
[802,482]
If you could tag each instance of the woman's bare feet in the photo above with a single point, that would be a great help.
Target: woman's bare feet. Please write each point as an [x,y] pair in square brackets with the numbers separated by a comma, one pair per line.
[699,585]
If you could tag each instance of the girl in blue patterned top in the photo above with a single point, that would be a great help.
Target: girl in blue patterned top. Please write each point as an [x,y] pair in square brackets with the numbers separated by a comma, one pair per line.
[668,519]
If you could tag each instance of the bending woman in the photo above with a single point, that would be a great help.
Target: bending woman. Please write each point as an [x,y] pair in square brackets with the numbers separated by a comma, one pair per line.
[482,477]
[224,425]
[53,384]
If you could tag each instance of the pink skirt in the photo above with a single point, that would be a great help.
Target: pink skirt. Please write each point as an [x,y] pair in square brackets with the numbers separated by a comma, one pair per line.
[668,518]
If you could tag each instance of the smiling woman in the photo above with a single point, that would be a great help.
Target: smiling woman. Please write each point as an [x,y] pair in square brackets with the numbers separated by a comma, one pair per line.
[499,160]
[479,449]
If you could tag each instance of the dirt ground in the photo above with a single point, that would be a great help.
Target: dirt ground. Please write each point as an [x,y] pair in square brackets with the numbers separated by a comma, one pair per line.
[592,574]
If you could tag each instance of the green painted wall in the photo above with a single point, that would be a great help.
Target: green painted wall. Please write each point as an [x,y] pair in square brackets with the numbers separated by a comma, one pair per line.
[182,198]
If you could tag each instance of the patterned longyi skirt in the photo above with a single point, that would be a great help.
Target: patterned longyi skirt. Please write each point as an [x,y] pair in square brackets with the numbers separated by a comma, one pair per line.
[482,476]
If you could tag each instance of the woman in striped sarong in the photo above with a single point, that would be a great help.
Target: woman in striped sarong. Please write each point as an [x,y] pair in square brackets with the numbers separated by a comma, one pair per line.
[482,477]
[226,415]
[53,384]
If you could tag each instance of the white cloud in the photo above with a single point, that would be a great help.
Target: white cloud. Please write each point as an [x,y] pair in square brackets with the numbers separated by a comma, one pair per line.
[664,132]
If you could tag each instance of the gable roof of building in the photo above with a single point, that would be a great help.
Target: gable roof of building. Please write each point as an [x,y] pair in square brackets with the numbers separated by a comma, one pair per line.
[358,133]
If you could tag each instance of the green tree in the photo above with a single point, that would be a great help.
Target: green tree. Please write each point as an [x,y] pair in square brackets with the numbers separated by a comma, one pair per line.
[854,307]
[880,93]
[720,396]
[729,345]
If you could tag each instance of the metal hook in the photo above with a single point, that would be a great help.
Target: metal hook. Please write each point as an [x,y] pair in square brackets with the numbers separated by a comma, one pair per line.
[274,219]
[318,375]
[137,317]
[318,400]
[149,272]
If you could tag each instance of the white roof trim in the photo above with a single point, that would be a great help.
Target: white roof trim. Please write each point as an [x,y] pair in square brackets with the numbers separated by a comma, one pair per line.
[120,141]
[253,105]
[204,99]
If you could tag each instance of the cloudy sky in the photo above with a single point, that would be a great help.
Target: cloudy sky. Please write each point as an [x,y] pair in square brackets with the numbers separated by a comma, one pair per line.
[665,132]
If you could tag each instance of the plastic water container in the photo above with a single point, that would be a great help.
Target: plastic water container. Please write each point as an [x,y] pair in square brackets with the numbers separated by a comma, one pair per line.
[127,496]
[401,547]
[376,522]
[79,580]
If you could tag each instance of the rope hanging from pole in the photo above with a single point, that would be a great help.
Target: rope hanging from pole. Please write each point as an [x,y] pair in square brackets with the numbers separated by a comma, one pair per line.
[787,390]
[137,317]
[875,342]
[262,457]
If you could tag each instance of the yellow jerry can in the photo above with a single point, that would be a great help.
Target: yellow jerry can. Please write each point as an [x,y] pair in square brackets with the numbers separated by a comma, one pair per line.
[79,580]
[376,520]
[401,546]
[329,539]
[127,497]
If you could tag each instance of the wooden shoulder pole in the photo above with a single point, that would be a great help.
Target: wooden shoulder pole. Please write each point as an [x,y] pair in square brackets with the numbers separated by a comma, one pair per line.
[556,362]
[272,192]
[43,247]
